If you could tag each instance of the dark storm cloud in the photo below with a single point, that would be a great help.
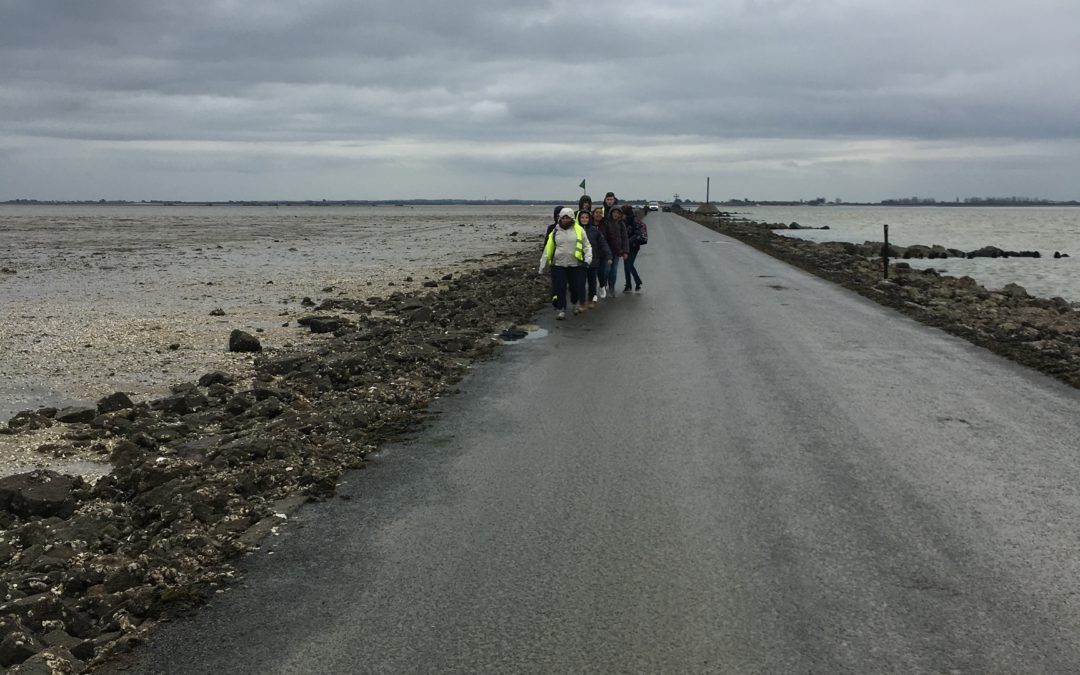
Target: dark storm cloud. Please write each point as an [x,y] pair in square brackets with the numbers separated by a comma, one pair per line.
[456,79]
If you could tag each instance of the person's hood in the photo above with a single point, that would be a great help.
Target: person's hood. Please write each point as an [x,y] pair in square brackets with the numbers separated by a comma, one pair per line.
[566,212]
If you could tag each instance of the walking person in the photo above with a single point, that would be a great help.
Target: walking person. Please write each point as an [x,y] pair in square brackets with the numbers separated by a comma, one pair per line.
[610,202]
[605,264]
[584,203]
[601,257]
[618,241]
[555,221]
[637,236]
[568,252]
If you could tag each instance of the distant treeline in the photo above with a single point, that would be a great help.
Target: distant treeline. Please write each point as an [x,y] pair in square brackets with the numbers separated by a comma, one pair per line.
[906,201]
[977,201]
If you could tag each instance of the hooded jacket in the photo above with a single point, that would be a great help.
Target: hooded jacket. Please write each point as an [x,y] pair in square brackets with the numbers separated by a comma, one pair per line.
[608,209]
[601,252]
[555,223]
[633,230]
[563,247]
[615,234]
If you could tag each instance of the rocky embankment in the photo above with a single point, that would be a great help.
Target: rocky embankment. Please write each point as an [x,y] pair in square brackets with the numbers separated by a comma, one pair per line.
[201,475]
[1043,333]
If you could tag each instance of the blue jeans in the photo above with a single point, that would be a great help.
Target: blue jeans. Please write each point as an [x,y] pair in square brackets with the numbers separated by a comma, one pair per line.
[611,273]
[631,271]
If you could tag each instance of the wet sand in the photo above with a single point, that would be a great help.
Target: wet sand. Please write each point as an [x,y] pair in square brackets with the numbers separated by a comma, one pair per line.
[107,299]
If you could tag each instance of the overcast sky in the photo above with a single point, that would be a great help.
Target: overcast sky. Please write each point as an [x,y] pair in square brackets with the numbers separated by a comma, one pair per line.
[339,99]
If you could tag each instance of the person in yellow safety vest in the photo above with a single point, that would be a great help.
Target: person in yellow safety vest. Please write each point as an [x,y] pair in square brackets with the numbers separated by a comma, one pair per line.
[568,252]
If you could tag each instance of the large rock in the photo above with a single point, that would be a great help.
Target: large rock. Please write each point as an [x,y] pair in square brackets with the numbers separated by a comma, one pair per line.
[114,402]
[76,415]
[31,420]
[322,324]
[50,661]
[80,648]
[1015,291]
[215,377]
[995,252]
[917,251]
[239,341]
[419,315]
[17,647]
[181,404]
[39,493]
[986,252]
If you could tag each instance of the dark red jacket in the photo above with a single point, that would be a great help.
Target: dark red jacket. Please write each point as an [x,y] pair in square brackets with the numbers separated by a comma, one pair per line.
[617,239]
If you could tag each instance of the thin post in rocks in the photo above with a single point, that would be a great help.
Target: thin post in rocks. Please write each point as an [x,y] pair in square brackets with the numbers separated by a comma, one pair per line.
[885,254]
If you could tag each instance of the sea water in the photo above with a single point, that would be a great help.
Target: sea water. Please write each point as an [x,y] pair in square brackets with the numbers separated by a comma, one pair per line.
[1044,229]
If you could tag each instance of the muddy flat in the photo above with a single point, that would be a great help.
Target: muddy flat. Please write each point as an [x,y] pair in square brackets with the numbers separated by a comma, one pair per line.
[138,298]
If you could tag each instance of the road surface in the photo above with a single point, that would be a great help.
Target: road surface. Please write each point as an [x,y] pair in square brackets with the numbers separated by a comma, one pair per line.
[743,469]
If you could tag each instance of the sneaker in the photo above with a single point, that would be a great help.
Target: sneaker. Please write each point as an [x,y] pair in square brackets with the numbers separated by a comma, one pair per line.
[603,292]
[626,289]
[611,291]
[578,310]
[593,301]
[638,288]
[560,315]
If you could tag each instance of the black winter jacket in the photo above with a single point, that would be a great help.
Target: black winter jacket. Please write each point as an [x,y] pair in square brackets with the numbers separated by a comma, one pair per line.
[601,252]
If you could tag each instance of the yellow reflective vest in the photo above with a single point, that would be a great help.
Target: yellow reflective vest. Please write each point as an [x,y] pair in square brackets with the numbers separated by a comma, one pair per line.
[579,248]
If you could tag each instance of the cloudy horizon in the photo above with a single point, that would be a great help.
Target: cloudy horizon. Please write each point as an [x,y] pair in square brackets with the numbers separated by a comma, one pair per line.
[861,100]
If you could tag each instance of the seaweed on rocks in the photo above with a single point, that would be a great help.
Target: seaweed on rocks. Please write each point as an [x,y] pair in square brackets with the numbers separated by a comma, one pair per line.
[199,475]
[1042,333]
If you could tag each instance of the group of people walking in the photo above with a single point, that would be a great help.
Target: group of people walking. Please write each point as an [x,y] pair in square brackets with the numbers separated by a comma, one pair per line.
[583,249]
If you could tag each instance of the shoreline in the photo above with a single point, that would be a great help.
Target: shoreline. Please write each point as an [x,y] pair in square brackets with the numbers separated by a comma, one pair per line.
[151,368]
[1040,333]
[100,303]
[106,302]
[201,475]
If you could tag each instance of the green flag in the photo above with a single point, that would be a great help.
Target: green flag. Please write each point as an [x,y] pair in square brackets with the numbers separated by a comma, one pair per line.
[582,186]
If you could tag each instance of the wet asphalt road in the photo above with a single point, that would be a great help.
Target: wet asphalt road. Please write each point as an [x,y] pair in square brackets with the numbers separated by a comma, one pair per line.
[743,469]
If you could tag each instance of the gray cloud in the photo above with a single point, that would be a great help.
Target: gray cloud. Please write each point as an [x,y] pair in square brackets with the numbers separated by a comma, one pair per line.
[523,98]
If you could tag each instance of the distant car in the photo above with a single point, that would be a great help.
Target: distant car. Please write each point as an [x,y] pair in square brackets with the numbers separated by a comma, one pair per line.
[665,208]
[654,206]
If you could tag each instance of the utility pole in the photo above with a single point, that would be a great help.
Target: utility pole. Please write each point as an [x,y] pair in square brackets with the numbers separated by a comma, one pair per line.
[707,179]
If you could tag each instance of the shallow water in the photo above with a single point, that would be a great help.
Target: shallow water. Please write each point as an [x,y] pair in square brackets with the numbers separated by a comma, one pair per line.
[1044,229]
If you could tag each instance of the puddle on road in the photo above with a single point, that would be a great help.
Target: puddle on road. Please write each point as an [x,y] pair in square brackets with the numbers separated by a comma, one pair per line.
[523,333]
